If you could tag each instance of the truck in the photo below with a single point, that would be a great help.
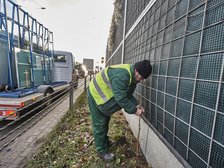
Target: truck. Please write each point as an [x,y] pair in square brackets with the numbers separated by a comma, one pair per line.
[28,70]
[63,68]
[89,65]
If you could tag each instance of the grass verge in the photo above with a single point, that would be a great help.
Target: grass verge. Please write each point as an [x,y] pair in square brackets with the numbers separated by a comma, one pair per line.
[71,145]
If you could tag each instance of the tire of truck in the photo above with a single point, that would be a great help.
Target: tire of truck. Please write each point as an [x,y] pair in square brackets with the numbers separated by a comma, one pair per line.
[47,90]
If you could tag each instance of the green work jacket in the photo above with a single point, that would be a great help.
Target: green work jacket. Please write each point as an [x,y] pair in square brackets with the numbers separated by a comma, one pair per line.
[123,88]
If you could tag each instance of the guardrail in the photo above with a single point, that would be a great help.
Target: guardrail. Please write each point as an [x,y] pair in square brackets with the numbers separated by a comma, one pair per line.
[10,130]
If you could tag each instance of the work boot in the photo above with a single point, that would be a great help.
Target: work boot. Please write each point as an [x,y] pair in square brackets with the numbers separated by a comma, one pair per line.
[107,156]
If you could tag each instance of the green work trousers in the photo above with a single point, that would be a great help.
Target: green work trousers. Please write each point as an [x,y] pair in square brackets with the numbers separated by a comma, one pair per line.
[100,123]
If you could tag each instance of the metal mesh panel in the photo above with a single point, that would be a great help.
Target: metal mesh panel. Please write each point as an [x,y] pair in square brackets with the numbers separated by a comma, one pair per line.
[202,119]
[160,99]
[171,3]
[186,88]
[176,48]
[161,83]
[162,22]
[195,20]
[160,128]
[181,131]
[153,110]
[168,136]
[213,38]
[155,67]
[155,27]
[163,7]
[183,110]
[199,144]
[170,16]
[189,66]
[169,122]
[192,43]
[210,67]
[165,50]
[173,68]
[167,34]
[195,3]
[160,114]
[217,156]
[215,12]
[163,68]
[195,162]
[159,38]
[221,99]
[180,147]
[153,96]
[179,28]
[219,129]
[206,93]
[157,14]
[181,8]
[158,53]
[171,86]
[153,42]
[170,104]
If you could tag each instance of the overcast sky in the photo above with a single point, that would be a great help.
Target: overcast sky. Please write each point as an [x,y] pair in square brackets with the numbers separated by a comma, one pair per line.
[79,26]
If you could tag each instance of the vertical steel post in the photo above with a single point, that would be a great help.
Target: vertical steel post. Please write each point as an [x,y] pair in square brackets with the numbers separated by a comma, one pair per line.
[71,96]
[8,46]
[85,83]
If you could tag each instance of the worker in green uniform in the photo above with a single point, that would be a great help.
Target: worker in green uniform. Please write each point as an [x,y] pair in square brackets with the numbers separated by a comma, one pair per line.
[111,90]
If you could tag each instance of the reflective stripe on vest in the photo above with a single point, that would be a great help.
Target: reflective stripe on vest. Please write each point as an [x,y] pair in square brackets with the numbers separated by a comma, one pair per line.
[100,87]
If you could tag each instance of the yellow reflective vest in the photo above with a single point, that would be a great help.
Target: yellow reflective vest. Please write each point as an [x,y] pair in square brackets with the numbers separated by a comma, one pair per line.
[100,87]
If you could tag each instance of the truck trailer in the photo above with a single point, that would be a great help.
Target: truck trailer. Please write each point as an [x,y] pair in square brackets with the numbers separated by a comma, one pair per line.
[27,65]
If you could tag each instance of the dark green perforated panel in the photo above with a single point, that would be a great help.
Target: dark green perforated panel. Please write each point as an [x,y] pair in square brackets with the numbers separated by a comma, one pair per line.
[170,104]
[189,66]
[180,147]
[161,83]
[217,156]
[221,99]
[173,68]
[215,12]
[195,3]
[171,86]
[169,122]
[153,96]
[210,67]
[206,94]
[195,19]
[179,28]
[199,144]
[202,119]
[163,68]
[183,110]
[160,99]
[186,88]
[219,129]
[165,51]
[181,131]
[160,114]
[213,38]
[181,8]
[195,162]
[168,136]
[168,35]
[176,48]
[192,43]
